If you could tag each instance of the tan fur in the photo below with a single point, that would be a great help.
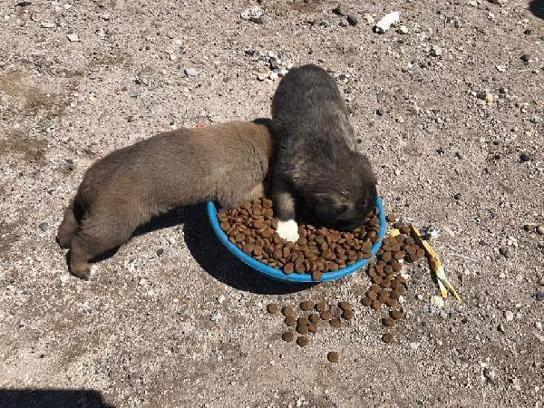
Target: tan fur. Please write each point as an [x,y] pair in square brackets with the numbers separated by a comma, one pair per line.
[226,163]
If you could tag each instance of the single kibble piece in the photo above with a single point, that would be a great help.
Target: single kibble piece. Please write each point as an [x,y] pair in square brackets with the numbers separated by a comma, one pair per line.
[388,322]
[288,336]
[302,321]
[396,314]
[302,329]
[387,338]
[326,315]
[287,310]
[321,306]
[313,318]
[335,322]
[272,308]
[312,327]
[366,301]
[306,306]
[376,305]
[344,305]
[303,341]
[289,268]
[332,356]
[290,321]
[347,315]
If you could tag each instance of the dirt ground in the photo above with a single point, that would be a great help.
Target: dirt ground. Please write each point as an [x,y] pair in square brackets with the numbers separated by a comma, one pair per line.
[450,109]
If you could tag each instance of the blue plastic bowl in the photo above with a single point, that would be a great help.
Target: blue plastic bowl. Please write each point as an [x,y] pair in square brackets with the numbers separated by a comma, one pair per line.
[278,274]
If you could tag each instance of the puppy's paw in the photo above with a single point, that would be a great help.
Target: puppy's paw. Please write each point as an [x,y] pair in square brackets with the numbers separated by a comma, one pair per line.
[288,230]
[84,271]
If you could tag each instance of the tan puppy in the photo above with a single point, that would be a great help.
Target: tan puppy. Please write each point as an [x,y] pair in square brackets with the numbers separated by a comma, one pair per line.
[226,163]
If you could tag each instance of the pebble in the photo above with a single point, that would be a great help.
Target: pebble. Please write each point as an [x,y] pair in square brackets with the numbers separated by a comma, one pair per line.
[414,345]
[43,226]
[220,299]
[190,72]
[352,20]
[73,37]
[525,59]
[489,375]
[134,93]
[539,296]
[387,21]
[46,24]
[508,315]
[524,157]
[369,19]
[436,51]
[339,10]
[540,230]
[403,29]
[505,251]
[216,317]
[252,14]
[437,301]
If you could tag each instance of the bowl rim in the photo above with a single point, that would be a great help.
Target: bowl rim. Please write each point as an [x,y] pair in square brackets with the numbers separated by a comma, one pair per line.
[278,274]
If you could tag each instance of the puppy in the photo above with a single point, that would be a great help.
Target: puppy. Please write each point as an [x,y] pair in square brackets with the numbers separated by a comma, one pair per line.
[227,163]
[316,160]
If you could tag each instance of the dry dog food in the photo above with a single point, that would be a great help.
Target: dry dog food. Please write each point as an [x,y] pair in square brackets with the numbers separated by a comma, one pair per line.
[332,356]
[272,308]
[252,226]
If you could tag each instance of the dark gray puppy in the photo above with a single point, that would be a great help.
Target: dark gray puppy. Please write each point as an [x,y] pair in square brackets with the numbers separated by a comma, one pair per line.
[227,163]
[316,160]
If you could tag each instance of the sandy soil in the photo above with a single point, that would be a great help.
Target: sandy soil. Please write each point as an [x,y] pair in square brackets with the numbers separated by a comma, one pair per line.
[450,110]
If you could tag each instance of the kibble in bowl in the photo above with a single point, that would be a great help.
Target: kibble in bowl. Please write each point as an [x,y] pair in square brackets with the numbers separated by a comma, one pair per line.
[319,255]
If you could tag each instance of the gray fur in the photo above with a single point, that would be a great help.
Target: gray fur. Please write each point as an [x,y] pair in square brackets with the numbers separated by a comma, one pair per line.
[315,158]
[227,163]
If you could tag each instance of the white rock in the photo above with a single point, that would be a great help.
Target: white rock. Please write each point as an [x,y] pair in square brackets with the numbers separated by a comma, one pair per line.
[73,37]
[216,317]
[190,72]
[369,19]
[508,315]
[403,29]
[220,299]
[253,12]
[273,75]
[414,345]
[437,301]
[387,21]
[45,24]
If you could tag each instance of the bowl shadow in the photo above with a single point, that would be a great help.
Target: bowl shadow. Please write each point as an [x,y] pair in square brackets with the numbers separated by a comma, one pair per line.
[213,257]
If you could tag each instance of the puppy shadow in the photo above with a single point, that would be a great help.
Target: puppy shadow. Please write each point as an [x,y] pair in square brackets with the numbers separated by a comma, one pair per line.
[213,257]
[52,398]
[537,8]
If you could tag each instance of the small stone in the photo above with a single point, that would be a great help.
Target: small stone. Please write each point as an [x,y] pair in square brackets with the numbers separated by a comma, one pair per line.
[457,196]
[508,315]
[380,111]
[524,157]
[220,299]
[252,14]
[501,328]
[73,37]
[489,375]
[387,338]
[190,72]
[134,93]
[273,75]
[332,356]
[403,30]
[261,76]
[539,296]
[387,21]
[505,251]
[343,23]
[436,51]
[352,20]
[414,345]
[43,226]
[339,10]
[437,301]
[369,19]
[46,24]
[216,317]
[538,325]
[160,252]
[525,59]
[540,229]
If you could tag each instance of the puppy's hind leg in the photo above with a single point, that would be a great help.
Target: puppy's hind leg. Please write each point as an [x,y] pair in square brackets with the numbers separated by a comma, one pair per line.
[68,228]
[284,204]
[98,234]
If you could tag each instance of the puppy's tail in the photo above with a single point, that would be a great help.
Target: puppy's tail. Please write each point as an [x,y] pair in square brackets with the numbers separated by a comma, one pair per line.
[70,224]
